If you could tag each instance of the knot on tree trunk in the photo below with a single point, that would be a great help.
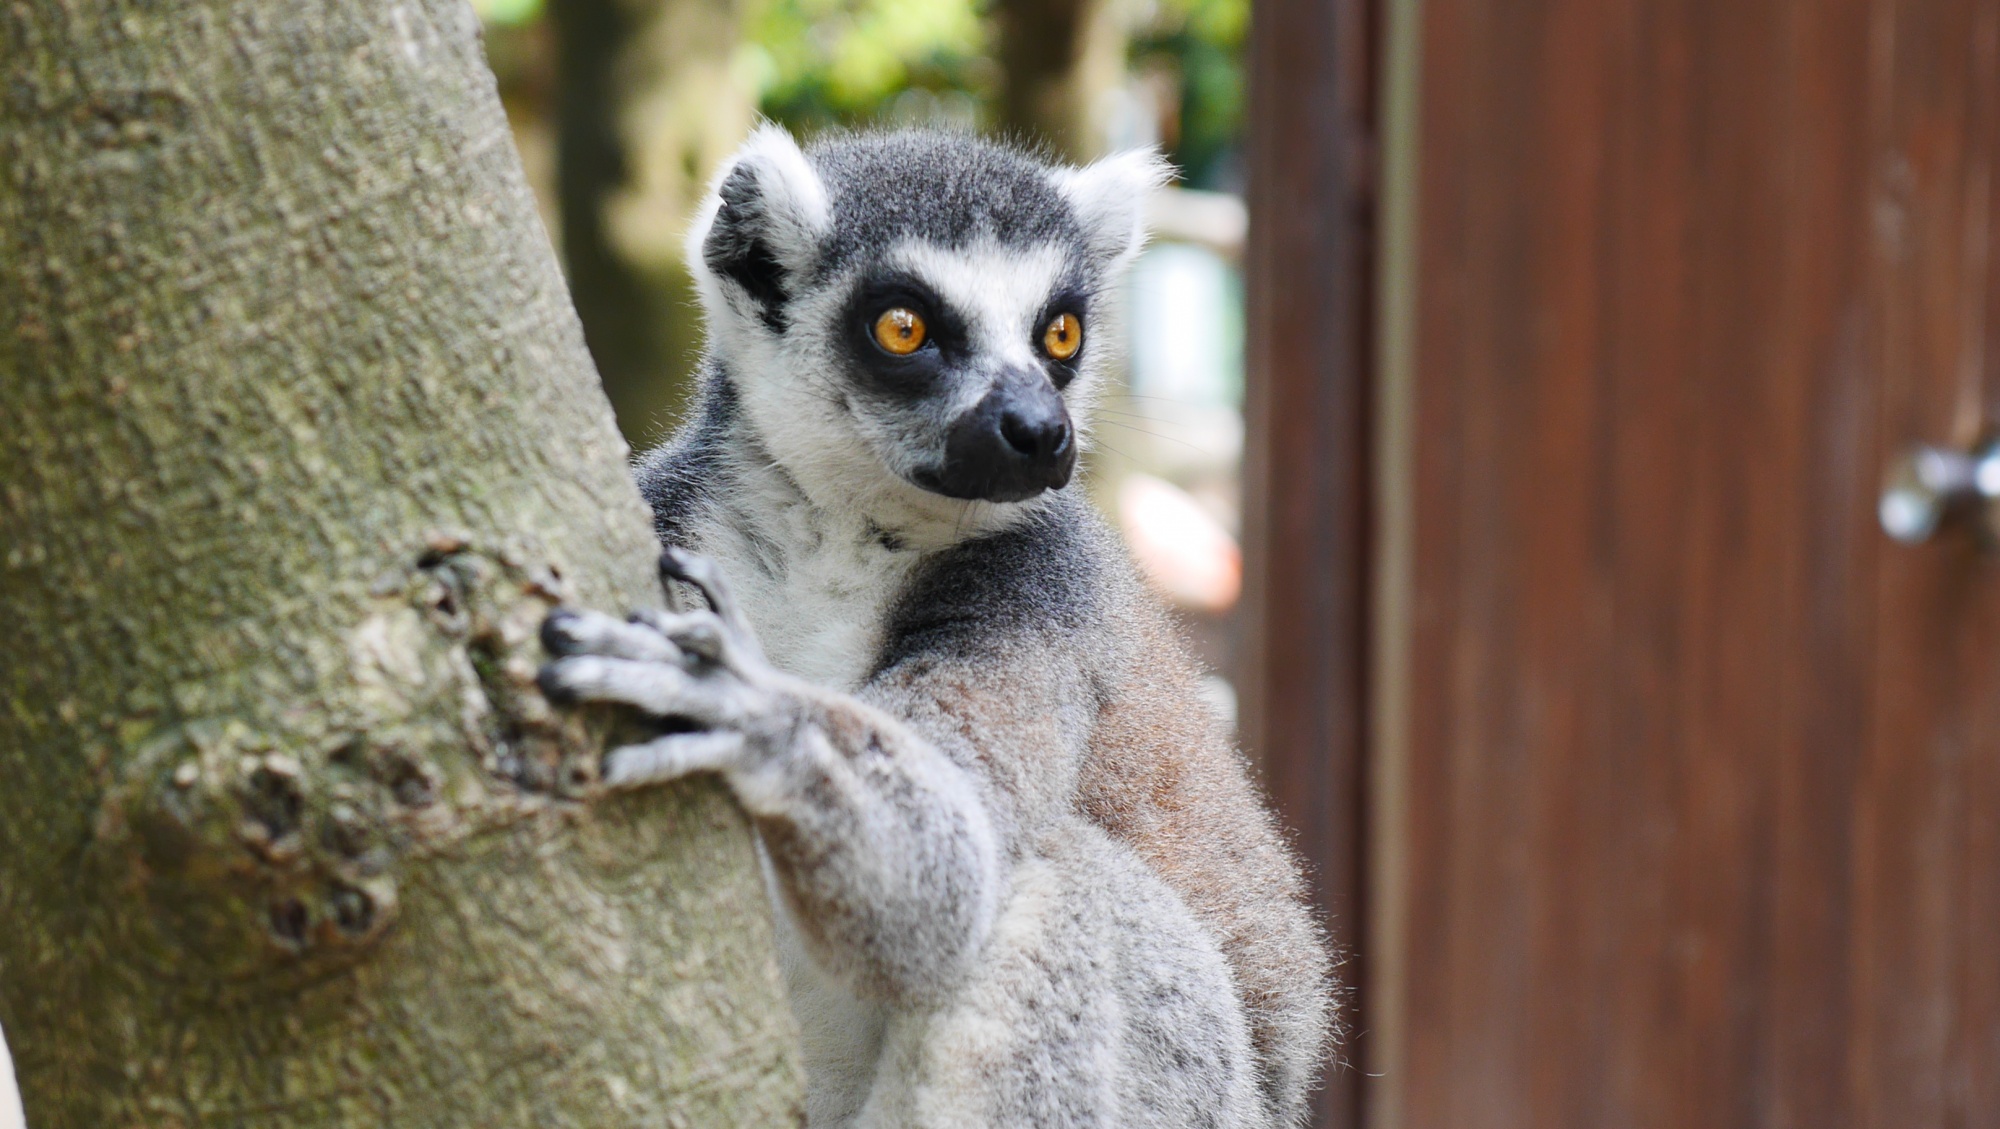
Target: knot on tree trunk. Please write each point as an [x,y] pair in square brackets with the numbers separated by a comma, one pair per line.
[276,838]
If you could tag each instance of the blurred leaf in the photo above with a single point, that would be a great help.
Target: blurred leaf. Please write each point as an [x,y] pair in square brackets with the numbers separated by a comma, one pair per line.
[507,13]
[822,62]
[1201,43]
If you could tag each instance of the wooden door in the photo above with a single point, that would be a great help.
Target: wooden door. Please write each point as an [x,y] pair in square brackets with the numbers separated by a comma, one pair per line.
[1310,133]
[1686,779]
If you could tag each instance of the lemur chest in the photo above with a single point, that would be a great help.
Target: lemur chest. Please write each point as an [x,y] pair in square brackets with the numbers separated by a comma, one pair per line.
[817,594]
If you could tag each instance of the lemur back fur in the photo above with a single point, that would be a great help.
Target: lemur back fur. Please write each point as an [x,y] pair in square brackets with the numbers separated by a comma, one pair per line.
[1021,874]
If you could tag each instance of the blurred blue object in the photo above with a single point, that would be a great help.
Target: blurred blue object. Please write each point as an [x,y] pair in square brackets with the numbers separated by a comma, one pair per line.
[1187,327]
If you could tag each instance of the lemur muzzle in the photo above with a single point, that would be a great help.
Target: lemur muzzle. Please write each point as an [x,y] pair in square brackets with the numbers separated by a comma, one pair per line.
[1012,445]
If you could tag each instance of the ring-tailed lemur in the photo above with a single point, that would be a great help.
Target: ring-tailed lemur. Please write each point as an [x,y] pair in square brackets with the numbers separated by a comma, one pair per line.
[1022,877]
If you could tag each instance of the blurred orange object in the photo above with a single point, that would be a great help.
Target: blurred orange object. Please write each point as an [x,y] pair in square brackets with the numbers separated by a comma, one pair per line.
[1179,547]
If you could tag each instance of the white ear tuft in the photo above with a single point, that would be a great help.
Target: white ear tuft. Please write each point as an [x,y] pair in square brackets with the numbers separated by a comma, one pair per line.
[1109,197]
[763,220]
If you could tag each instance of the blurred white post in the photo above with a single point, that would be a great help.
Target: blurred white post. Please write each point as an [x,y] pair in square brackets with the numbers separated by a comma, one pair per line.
[10,1095]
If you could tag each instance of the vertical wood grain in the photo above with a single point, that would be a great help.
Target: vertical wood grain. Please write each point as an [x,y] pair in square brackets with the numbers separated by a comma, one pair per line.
[1311,202]
[1927,897]
[1700,800]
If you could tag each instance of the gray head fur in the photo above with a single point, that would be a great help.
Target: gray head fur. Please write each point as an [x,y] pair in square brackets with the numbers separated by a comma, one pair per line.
[798,251]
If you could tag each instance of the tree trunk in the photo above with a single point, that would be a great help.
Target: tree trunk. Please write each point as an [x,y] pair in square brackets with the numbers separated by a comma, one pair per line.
[300,441]
[647,109]
[1060,58]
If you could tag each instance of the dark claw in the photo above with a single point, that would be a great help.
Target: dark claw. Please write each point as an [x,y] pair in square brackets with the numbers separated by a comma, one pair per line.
[679,564]
[670,572]
[551,687]
[556,638]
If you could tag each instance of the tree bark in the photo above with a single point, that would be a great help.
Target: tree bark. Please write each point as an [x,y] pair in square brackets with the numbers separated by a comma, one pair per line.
[300,441]
[647,109]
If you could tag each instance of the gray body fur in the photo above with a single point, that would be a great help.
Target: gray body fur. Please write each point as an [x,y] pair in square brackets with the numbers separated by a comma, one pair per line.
[1021,875]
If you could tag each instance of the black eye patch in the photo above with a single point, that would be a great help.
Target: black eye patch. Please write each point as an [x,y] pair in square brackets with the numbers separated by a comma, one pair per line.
[1070,298]
[947,337]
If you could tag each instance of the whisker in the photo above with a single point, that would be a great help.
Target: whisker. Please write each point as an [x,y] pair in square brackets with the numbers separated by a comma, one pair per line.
[1128,412]
[1198,449]
[1101,443]
[1164,400]
[1136,416]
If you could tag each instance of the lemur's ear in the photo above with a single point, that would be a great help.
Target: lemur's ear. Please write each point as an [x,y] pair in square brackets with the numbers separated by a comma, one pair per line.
[763,220]
[1109,198]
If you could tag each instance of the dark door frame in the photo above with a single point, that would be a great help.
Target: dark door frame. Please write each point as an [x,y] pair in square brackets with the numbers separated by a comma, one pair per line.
[1310,261]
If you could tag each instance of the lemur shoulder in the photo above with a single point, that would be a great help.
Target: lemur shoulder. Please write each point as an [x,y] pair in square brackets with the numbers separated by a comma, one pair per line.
[1022,877]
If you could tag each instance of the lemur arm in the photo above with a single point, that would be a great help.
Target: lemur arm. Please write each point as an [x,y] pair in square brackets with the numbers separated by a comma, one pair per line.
[890,845]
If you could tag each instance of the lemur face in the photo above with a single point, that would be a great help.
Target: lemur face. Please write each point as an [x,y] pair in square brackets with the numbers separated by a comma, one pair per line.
[924,309]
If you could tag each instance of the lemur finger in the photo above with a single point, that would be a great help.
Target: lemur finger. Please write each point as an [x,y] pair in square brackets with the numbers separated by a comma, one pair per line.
[568,631]
[660,689]
[699,633]
[679,564]
[671,757]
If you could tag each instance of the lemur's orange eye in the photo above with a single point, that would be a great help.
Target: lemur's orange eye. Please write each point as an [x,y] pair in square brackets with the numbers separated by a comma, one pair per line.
[900,330]
[1063,337]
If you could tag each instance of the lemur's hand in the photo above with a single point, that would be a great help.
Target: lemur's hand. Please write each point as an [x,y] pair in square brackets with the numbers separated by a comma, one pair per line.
[702,667]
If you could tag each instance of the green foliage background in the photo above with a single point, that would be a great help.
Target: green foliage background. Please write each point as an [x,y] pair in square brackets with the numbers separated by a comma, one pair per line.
[821,63]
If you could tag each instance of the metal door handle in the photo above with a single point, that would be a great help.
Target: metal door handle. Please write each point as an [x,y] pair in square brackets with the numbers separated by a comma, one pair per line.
[1931,486]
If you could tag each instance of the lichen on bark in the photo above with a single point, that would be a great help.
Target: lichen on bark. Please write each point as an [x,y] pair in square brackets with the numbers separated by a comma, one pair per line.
[301,441]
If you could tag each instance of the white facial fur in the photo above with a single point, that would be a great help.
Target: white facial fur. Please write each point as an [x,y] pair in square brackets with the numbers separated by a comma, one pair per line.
[1109,197]
[793,388]
[792,196]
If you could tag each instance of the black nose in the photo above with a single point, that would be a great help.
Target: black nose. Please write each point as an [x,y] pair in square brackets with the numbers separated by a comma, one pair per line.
[1038,436]
[1012,445]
